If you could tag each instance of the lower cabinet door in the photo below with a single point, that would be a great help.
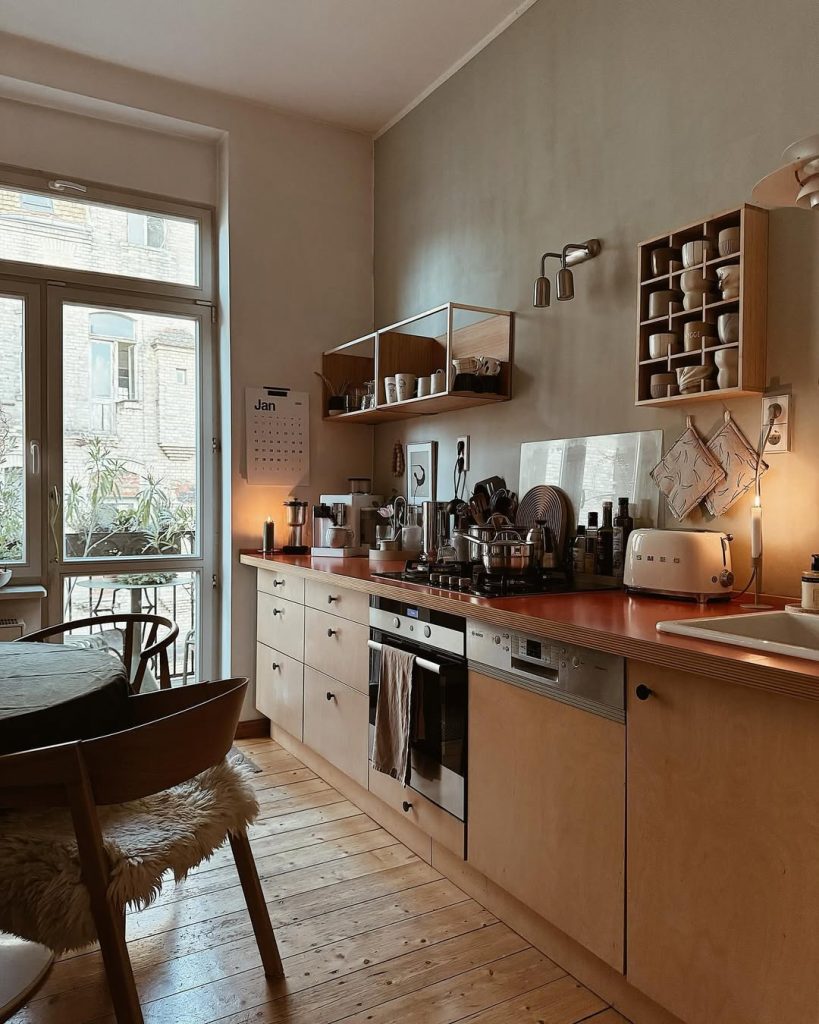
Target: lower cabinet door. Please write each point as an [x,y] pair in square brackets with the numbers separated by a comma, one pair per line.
[336,723]
[547,810]
[280,689]
[442,826]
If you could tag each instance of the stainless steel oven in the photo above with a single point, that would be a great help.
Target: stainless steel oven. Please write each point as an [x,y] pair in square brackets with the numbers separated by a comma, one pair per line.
[440,695]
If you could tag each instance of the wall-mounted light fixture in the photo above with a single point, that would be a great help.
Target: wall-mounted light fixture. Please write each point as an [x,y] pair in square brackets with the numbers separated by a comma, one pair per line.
[796,183]
[572,254]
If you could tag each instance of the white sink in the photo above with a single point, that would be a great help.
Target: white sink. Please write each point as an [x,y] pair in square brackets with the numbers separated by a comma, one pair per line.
[790,633]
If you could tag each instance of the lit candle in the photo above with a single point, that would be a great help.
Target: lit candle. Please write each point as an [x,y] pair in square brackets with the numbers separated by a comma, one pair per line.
[756,529]
[267,536]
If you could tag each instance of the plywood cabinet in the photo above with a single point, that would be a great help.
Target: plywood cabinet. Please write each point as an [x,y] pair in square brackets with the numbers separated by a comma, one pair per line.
[280,624]
[280,688]
[336,723]
[337,647]
[723,849]
[547,809]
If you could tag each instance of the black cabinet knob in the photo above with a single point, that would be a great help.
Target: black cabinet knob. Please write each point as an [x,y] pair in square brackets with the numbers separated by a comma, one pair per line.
[332,632]
[274,665]
[643,692]
[330,599]
[278,611]
[330,696]
[406,806]
[278,583]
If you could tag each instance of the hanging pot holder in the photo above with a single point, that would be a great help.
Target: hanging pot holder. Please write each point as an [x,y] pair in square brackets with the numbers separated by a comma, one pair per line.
[737,456]
[687,472]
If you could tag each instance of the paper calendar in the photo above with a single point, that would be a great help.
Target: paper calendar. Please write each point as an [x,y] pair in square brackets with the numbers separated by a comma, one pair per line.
[277,425]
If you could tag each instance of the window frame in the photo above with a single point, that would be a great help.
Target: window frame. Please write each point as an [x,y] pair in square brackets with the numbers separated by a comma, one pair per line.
[134,202]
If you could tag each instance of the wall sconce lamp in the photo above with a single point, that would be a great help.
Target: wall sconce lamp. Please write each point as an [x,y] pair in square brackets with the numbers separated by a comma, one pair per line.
[796,183]
[573,253]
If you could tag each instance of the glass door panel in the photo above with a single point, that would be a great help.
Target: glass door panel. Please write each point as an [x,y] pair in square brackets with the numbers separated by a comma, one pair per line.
[131,452]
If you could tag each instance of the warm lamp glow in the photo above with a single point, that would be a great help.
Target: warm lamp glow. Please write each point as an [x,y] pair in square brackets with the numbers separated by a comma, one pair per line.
[756,528]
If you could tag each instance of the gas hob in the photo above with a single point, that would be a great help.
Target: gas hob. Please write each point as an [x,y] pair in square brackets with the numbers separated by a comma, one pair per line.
[471,578]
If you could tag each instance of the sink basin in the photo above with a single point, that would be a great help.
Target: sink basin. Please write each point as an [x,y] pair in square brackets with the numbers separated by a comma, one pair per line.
[790,633]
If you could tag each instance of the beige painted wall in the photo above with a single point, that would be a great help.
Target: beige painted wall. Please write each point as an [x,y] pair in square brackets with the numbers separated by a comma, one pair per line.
[619,120]
[298,247]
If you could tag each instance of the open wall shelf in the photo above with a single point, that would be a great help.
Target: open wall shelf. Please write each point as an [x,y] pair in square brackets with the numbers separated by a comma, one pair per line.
[423,345]
[750,306]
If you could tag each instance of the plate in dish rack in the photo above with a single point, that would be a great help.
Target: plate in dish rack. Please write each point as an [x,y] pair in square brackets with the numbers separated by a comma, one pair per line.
[550,504]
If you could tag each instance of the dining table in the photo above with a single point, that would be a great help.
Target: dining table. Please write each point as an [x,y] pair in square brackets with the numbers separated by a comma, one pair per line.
[49,694]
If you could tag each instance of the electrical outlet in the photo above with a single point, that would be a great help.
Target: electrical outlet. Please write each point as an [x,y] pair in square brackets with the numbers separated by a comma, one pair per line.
[463,451]
[780,436]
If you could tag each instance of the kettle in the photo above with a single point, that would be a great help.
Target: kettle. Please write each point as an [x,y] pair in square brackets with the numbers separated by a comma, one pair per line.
[543,550]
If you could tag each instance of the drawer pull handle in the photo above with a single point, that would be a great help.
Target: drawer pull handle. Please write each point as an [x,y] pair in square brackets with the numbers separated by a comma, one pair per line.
[643,692]
[275,665]
[330,696]
[278,583]
[278,611]
[406,807]
[332,632]
[331,598]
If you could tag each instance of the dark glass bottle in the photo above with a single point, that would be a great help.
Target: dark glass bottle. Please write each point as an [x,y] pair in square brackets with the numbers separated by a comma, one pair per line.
[591,543]
[605,543]
[623,525]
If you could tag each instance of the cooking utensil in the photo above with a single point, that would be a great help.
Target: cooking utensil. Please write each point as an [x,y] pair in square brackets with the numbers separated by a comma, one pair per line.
[435,526]
[506,553]
[479,506]
[489,486]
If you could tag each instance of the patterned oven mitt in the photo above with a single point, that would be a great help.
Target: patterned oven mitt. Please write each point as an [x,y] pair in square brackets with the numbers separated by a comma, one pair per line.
[734,452]
[687,472]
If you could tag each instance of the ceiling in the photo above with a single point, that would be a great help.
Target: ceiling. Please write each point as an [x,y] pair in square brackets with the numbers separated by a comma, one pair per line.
[357,63]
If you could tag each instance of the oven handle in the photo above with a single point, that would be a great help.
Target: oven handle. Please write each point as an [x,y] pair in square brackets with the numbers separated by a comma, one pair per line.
[428,666]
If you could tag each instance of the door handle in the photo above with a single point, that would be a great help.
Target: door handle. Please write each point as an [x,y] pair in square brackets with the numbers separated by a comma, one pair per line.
[406,806]
[34,456]
[55,501]
[643,692]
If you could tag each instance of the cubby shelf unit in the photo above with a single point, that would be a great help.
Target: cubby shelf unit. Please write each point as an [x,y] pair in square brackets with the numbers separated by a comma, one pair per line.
[399,348]
[751,305]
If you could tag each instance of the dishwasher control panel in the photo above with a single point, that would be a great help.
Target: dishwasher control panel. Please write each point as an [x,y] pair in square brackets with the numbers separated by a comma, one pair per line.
[578,674]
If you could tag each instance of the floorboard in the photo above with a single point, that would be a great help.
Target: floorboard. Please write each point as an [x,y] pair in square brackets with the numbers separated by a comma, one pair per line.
[369,934]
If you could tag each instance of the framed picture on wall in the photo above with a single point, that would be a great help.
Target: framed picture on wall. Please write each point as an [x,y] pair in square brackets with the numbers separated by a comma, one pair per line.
[422,470]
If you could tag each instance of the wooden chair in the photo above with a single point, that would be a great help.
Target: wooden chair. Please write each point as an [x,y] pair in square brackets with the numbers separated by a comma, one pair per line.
[59,796]
[126,624]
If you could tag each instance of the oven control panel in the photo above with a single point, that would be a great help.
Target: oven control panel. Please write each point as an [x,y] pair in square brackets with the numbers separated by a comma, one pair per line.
[593,680]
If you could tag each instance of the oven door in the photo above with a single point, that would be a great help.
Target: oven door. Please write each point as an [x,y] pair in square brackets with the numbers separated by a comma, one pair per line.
[440,702]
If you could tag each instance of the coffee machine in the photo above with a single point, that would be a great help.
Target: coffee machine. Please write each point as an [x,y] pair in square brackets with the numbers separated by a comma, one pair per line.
[296,517]
[358,513]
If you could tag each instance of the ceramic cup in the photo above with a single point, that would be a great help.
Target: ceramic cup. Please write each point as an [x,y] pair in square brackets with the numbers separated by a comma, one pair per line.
[728,241]
[660,383]
[727,360]
[696,252]
[661,260]
[437,382]
[728,327]
[389,389]
[696,281]
[729,281]
[489,367]
[338,536]
[423,387]
[663,302]
[695,334]
[663,344]
[469,364]
[405,386]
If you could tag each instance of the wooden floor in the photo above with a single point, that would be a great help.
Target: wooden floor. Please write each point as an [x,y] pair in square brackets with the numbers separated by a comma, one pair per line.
[369,933]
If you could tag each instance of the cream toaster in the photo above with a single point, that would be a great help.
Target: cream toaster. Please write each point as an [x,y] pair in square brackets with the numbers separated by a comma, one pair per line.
[680,563]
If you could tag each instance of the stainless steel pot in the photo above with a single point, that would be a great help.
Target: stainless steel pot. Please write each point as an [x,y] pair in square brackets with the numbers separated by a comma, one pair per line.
[435,526]
[488,532]
[506,553]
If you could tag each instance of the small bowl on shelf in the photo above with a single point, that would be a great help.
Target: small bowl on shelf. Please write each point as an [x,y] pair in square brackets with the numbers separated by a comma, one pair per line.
[689,378]
[662,260]
[695,300]
[696,252]
[728,328]
[727,360]
[697,334]
[663,344]
[660,384]
[728,241]
[663,302]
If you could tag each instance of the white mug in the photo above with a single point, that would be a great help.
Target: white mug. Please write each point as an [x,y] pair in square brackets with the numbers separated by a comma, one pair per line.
[423,387]
[338,536]
[489,367]
[405,386]
[437,382]
[389,389]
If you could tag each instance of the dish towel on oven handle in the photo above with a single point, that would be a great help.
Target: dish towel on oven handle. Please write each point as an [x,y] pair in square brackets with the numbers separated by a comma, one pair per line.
[393,714]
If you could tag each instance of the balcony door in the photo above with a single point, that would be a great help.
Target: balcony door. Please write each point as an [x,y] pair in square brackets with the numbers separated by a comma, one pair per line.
[108,435]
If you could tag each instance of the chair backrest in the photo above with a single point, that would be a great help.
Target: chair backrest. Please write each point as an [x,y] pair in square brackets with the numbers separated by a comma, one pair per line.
[171,736]
[154,645]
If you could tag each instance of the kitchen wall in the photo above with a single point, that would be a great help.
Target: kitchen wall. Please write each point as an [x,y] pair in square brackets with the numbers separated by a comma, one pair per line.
[294,203]
[621,121]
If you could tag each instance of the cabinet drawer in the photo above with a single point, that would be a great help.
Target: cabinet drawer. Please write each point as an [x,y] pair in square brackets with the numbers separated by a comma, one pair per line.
[280,689]
[280,624]
[336,723]
[280,584]
[429,817]
[328,596]
[337,647]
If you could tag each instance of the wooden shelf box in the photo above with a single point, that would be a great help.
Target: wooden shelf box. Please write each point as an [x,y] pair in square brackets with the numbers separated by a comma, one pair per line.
[421,345]
[751,305]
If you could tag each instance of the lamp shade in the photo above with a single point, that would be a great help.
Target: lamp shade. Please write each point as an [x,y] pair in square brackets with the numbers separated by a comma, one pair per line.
[542,295]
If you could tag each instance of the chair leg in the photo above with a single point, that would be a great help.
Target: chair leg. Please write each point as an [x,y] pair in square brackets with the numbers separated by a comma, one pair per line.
[256,906]
[118,970]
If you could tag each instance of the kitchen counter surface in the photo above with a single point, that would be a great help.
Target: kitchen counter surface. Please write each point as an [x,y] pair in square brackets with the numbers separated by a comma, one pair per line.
[608,621]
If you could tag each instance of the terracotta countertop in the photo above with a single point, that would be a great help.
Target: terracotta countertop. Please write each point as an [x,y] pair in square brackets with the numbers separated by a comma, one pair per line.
[610,621]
